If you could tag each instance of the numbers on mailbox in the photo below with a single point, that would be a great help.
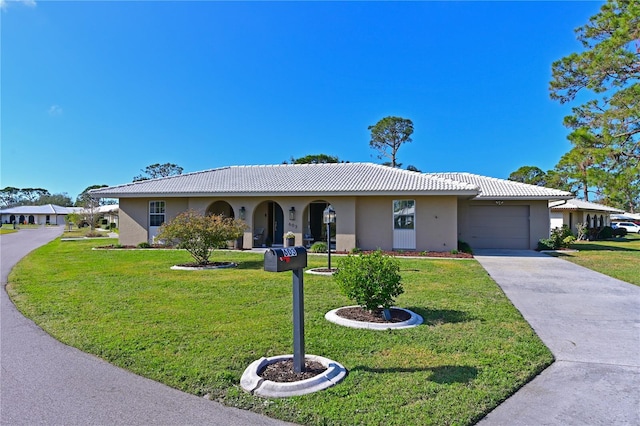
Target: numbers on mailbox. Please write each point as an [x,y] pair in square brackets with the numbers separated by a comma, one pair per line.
[289,252]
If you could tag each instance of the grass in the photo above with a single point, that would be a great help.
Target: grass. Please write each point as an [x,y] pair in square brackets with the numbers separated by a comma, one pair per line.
[619,258]
[23,226]
[198,330]
[7,228]
[82,232]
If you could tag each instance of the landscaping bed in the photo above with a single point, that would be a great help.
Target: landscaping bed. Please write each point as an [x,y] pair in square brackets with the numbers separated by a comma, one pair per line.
[408,253]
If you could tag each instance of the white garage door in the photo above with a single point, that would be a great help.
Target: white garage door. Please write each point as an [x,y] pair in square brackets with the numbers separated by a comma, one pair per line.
[504,227]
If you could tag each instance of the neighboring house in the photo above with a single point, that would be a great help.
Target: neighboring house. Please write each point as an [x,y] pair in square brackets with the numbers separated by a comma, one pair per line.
[49,214]
[626,216]
[376,206]
[107,215]
[572,212]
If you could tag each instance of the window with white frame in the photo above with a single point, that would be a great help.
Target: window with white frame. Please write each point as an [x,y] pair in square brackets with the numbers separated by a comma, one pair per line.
[156,213]
[404,214]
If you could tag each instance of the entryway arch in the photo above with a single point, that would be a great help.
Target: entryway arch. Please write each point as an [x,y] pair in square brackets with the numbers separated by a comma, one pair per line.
[313,222]
[220,207]
[268,224]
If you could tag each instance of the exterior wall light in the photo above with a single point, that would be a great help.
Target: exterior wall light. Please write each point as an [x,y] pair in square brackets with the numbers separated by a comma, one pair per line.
[292,213]
[243,212]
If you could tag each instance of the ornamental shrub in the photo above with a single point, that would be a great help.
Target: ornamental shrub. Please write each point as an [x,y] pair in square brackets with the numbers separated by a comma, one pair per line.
[583,230]
[318,247]
[605,233]
[464,247]
[199,234]
[371,280]
[560,238]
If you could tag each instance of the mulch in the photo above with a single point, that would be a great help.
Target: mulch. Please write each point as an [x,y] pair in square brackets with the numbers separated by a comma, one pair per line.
[204,265]
[282,371]
[406,253]
[358,313]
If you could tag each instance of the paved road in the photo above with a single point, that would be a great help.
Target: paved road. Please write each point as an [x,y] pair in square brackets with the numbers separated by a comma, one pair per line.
[43,382]
[591,323]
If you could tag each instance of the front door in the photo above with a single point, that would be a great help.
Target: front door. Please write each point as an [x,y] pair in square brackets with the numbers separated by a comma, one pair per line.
[404,225]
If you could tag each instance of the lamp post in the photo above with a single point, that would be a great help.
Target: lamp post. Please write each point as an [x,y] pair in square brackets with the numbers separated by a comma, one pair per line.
[329,215]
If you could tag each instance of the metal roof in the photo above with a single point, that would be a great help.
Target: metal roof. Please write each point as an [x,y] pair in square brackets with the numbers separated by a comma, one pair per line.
[328,179]
[294,179]
[494,188]
[45,209]
[577,204]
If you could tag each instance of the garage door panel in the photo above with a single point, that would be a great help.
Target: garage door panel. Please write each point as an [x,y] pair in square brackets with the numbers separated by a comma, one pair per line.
[499,227]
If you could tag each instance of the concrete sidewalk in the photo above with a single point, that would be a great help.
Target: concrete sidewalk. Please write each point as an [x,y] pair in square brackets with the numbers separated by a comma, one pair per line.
[46,382]
[591,324]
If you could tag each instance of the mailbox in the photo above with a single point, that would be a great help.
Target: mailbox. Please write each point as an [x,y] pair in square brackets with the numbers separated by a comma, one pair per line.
[285,259]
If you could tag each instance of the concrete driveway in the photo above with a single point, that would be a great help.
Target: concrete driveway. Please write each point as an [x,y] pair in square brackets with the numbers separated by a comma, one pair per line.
[591,324]
[45,382]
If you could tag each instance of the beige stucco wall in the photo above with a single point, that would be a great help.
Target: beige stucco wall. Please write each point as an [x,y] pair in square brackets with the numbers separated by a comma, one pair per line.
[134,218]
[435,222]
[538,222]
[364,222]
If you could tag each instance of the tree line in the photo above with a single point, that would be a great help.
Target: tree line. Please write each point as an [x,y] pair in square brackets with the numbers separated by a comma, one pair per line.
[13,197]
[603,163]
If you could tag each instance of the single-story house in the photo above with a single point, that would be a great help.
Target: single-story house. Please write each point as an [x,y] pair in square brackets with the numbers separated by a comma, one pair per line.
[572,212]
[626,216]
[376,206]
[48,214]
[107,215]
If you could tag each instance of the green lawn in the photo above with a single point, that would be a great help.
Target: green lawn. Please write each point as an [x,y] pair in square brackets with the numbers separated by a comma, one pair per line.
[619,259]
[198,331]
[82,232]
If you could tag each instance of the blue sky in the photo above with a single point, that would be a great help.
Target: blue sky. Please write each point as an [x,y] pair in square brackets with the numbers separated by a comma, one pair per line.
[92,92]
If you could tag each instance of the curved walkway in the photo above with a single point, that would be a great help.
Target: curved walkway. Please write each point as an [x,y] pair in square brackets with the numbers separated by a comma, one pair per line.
[43,381]
[591,324]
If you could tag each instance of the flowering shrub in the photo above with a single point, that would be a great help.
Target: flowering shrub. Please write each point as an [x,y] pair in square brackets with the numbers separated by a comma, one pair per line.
[199,234]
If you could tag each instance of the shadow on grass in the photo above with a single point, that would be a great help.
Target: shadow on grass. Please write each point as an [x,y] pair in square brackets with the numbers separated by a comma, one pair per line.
[604,246]
[445,374]
[441,316]
[251,264]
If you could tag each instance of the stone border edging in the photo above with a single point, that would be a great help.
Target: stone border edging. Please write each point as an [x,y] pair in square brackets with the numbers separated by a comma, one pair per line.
[414,321]
[202,268]
[313,271]
[251,382]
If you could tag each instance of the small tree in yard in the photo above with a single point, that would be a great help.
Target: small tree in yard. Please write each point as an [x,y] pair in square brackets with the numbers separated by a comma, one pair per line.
[73,218]
[371,280]
[199,234]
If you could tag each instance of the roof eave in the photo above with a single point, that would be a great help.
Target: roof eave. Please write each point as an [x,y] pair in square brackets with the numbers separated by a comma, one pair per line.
[288,194]
[524,198]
